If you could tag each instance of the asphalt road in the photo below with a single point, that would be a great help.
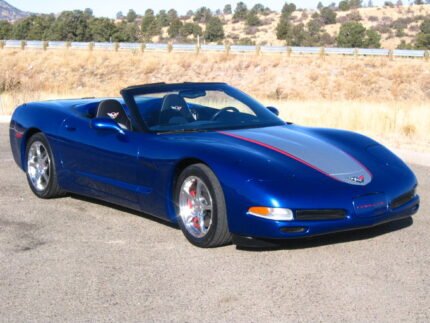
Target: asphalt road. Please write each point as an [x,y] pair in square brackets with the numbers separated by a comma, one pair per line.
[75,260]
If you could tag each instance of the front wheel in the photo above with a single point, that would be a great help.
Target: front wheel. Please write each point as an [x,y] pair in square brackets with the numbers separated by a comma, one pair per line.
[41,172]
[201,209]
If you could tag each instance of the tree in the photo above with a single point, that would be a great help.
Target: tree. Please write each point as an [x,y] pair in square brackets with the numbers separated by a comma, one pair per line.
[174,28]
[163,18]
[252,19]
[354,34]
[214,30]
[423,37]
[314,26]
[102,29]
[172,14]
[297,36]
[373,39]
[126,32]
[419,2]
[425,26]
[320,5]
[241,11]
[328,16]
[370,4]
[131,15]
[89,12]
[283,29]
[150,26]
[258,8]
[5,29]
[190,29]
[355,4]
[202,15]
[70,26]
[351,34]
[227,9]
[119,15]
[344,5]
[22,28]
[40,26]
[288,9]
[399,3]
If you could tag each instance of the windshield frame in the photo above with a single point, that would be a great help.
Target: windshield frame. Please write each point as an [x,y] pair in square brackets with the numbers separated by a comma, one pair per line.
[139,124]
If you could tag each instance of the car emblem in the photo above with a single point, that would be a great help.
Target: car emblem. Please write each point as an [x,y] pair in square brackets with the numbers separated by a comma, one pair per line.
[356,179]
[113,115]
[176,107]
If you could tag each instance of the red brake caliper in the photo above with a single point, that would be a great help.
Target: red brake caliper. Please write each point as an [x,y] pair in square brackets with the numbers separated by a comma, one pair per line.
[195,219]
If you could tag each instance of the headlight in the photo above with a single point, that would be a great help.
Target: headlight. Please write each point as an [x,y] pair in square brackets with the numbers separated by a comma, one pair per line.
[271,213]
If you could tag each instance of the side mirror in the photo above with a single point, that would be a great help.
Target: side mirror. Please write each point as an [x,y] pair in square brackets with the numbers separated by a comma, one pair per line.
[273,110]
[106,124]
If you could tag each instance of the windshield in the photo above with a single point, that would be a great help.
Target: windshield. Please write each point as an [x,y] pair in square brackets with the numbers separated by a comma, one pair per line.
[202,108]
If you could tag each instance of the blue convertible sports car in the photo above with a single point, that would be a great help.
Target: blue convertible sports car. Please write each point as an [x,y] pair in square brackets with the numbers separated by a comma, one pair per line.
[213,160]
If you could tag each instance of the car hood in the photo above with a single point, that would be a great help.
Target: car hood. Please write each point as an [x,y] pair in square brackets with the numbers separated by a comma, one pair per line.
[313,151]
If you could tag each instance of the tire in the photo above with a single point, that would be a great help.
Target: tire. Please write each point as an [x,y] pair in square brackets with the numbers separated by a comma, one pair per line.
[210,228]
[40,168]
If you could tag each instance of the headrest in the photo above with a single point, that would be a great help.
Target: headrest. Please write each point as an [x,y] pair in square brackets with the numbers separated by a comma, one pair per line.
[175,110]
[114,110]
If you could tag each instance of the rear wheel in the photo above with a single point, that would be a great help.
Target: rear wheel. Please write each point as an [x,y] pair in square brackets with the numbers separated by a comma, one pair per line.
[201,208]
[41,172]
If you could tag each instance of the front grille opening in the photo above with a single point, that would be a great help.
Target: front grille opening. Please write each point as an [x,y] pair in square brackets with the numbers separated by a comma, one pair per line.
[293,229]
[403,199]
[325,214]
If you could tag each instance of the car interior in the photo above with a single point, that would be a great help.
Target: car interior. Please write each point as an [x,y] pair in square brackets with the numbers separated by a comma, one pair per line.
[161,113]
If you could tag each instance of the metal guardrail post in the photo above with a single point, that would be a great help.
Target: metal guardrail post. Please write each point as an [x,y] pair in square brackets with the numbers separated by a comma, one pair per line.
[258,50]
[142,47]
[227,49]
[197,49]
[355,53]
[322,52]
[391,54]
[68,44]
[289,51]
[45,45]
[116,46]
[426,55]
[169,47]
[2,44]
[91,46]
[23,44]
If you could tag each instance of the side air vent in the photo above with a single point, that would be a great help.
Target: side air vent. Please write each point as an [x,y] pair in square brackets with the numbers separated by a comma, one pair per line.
[318,215]
[402,199]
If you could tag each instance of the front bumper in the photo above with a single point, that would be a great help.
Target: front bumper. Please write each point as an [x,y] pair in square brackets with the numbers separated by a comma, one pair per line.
[257,228]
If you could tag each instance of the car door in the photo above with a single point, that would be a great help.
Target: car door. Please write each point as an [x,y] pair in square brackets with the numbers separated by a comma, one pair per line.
[100,163]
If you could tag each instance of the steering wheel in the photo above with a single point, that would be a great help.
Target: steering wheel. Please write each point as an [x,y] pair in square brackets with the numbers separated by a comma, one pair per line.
[224,110]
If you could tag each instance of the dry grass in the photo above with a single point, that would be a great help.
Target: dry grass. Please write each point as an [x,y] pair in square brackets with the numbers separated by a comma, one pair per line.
[387,99]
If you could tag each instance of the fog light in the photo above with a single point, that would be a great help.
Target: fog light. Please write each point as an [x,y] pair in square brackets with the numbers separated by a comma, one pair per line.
[271,213]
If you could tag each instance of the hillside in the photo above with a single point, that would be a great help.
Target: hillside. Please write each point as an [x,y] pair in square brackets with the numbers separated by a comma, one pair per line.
[394,25]
[10,13]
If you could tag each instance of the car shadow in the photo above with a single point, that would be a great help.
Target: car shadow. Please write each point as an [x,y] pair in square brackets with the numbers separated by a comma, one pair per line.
[334,238]
[124,209]
[271,245]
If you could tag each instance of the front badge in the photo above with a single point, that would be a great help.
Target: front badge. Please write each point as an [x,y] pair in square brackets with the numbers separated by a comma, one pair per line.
[356,179]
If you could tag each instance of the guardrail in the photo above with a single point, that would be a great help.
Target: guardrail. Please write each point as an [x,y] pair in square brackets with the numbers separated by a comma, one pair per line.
[22,44]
